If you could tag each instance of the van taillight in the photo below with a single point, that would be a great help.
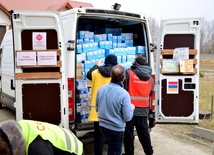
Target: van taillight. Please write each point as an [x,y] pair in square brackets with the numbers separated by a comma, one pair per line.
[71,95]
[152,101]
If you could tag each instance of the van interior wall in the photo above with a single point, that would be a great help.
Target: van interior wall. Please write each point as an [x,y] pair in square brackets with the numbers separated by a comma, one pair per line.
[41,101]
[52,43]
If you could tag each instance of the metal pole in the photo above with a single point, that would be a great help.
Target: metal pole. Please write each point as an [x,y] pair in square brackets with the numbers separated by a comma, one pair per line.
[213,150]
[211,107]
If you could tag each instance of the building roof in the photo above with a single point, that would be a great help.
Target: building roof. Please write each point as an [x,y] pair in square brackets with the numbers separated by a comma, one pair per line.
[52,5]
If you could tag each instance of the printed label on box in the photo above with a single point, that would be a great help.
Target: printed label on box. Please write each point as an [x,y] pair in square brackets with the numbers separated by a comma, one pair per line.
[186,66]
[26,58]
[181,53]
[170,66]
[39,41]
[47,58]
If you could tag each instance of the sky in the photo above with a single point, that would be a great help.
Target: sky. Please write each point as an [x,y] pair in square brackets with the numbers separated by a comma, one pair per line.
[162,9]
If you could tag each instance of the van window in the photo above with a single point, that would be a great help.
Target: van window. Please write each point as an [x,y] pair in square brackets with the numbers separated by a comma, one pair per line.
[2,32]
[0,56]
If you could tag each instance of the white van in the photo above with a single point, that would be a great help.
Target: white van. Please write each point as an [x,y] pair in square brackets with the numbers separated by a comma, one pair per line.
[32,68]
[43,72]
[178,53]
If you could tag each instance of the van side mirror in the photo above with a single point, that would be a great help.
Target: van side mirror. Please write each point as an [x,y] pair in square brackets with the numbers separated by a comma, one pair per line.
[153,47]
[70,45]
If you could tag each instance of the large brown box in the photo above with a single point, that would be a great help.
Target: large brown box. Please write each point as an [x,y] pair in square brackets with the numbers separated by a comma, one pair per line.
[186,66]
[79,72]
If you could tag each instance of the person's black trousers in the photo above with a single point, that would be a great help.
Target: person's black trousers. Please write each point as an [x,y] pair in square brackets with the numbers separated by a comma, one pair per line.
[98,140]
[141,124]
[114,139]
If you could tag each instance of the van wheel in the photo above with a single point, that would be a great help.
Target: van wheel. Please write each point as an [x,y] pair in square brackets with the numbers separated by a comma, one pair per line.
[0,105]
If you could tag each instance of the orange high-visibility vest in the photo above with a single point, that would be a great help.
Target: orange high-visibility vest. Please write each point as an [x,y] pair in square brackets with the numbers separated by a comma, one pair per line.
[139,90]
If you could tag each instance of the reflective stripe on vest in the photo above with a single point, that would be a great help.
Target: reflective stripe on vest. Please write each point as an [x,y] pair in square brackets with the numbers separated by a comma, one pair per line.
[61,138]
[139,90]
[68,140]
[139,98]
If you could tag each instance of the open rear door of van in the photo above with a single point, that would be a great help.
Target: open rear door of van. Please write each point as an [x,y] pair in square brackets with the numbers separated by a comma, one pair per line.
[177,71]
[40,82]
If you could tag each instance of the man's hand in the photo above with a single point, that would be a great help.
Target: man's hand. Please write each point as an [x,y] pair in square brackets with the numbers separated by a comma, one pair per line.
[98,62]
[133,106]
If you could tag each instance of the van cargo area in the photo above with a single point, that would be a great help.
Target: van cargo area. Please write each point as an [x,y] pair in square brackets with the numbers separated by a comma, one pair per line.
[98,36]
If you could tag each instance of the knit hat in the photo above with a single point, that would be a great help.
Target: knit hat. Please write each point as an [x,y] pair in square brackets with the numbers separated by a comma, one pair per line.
[13,132]
[111,59]
[141,59]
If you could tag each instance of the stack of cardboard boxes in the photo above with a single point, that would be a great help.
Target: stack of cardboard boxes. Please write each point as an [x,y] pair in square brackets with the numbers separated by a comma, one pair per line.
[82,101]
[91,46]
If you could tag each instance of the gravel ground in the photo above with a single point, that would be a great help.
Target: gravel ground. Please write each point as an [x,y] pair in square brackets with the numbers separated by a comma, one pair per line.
[166,140]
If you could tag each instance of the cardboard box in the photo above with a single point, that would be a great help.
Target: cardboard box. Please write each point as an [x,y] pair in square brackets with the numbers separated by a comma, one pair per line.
[181,53]
[79,71]
[88,82]
[170,66]
[186,66]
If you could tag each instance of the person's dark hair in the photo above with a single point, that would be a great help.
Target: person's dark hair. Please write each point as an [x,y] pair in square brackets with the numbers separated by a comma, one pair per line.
[118,73]
[5,148]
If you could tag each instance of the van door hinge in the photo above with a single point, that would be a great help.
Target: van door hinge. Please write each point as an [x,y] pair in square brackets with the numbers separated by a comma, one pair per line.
[11,85]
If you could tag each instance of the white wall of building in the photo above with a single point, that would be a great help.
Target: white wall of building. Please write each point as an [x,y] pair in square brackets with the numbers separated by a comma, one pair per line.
[4,20]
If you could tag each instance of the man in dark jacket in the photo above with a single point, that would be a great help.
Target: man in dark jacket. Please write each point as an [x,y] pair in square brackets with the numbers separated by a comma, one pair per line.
[99,75]
[140,86]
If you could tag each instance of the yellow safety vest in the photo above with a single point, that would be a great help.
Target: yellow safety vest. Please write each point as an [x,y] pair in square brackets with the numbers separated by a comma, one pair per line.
[97,81]
[60,137]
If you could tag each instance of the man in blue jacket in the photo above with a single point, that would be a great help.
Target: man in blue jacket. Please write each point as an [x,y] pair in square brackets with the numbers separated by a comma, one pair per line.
[114,108]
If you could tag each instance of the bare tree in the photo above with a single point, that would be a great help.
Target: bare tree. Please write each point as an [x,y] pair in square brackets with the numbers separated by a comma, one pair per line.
[207,36]
[154,29]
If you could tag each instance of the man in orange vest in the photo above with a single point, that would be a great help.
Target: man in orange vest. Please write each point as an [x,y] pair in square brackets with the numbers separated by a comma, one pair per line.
[140,86]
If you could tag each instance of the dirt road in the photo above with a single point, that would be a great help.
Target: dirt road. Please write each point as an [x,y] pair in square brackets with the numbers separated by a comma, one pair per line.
[167,143]
[164,141]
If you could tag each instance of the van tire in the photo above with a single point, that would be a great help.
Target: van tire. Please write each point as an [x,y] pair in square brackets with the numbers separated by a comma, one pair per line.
[0,105]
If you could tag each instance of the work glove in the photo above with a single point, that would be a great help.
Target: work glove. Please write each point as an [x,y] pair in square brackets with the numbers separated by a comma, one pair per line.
[152,121]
